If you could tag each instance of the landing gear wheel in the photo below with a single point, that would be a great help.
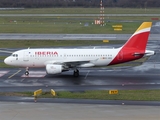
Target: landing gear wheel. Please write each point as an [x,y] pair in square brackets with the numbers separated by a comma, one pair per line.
[76,73]
[26,73]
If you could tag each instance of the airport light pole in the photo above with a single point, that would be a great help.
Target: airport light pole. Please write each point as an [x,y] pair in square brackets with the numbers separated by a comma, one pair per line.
[101,13]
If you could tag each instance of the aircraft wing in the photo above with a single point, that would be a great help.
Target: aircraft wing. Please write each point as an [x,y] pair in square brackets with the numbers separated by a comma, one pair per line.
[74,63]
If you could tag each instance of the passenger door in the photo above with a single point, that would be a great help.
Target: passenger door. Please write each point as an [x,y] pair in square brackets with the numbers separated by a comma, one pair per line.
[26,56]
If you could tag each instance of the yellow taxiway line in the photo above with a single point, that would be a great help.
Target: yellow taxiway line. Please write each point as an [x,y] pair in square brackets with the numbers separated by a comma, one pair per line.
[14,74]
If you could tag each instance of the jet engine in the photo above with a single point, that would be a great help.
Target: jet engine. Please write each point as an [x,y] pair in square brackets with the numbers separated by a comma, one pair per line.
[53,69]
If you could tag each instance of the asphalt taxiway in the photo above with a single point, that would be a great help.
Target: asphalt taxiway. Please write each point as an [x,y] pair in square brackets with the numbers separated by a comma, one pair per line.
[145,76]
[50,111]
[22,36]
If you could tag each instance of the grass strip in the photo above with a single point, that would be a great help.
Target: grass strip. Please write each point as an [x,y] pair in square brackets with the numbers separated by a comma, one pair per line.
[76,24]
[63,26]
[78,10]
[52,43]
[140,95]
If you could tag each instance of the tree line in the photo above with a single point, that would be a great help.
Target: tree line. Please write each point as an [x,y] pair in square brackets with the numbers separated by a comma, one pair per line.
[79,3]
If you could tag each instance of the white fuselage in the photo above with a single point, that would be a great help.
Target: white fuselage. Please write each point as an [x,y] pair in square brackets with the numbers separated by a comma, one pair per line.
[42,57]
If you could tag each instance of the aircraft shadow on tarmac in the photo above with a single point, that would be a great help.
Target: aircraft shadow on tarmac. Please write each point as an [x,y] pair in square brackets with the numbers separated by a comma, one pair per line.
[102,78]
[67,77]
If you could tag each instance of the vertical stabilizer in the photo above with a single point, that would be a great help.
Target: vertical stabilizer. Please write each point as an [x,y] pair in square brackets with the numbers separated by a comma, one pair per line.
[140,38]
[135,47]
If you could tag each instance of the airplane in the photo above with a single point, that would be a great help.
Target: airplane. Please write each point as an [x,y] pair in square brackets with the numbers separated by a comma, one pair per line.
[57,61]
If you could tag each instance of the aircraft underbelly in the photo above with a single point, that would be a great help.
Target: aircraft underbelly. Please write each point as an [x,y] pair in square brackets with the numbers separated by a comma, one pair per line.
[101,62]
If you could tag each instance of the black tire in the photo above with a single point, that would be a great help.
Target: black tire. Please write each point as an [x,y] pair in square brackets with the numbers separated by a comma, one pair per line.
[76,73]
[26,73]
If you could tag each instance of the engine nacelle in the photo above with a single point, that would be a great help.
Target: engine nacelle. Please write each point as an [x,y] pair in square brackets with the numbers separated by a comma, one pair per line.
[53,69]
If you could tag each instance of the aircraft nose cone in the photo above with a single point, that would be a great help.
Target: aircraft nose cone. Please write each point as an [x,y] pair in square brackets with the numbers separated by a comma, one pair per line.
[6,60]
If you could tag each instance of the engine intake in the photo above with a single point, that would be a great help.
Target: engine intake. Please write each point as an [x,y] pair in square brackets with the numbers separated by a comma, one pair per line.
[53,69]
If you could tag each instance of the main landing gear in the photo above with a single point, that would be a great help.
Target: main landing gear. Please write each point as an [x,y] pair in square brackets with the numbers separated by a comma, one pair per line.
[27,71]
[76,73]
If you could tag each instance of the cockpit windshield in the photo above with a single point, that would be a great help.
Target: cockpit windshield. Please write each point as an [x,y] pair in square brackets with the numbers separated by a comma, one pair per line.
[14,55]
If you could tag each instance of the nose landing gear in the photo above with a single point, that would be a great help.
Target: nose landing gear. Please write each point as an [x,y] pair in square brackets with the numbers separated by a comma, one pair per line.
[27,71]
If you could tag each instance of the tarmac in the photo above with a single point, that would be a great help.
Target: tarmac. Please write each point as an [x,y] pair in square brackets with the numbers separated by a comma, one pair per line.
[48,111]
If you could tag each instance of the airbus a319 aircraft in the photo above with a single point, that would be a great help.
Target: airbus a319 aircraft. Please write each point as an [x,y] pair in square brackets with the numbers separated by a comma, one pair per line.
[59,60]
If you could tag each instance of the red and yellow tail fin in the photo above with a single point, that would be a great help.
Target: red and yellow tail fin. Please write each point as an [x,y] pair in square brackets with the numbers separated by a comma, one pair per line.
[140,38]
[135,47]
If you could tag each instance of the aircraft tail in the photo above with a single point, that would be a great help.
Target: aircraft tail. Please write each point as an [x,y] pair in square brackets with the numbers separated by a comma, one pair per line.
[135,47]
[140,38]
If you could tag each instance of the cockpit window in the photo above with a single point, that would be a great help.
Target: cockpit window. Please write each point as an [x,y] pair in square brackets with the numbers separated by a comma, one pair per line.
[14,55]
